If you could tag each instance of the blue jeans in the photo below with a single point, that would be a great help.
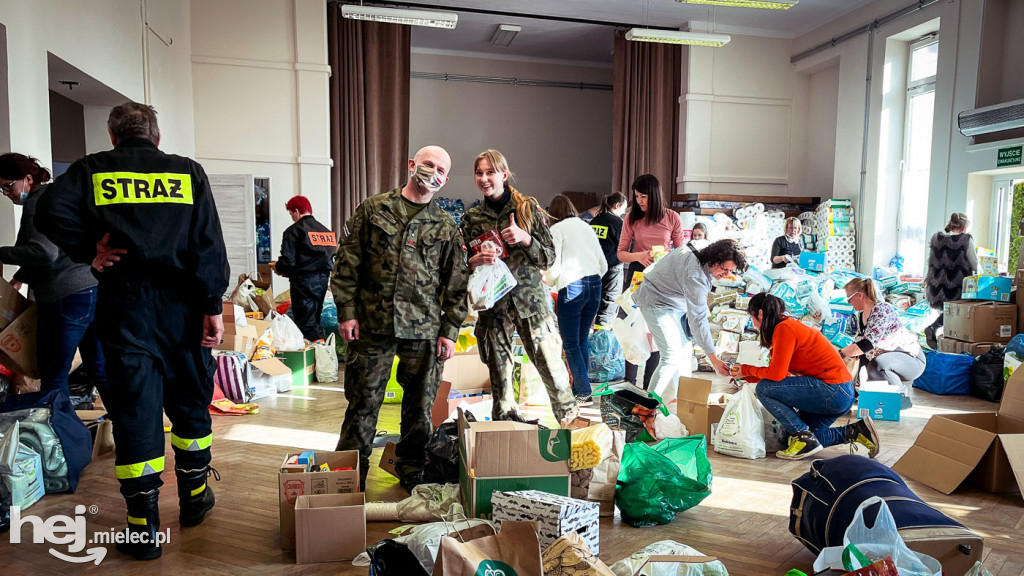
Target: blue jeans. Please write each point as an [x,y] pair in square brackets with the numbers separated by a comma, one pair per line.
[577,307]
[807,403]
[669,335]
[64,326]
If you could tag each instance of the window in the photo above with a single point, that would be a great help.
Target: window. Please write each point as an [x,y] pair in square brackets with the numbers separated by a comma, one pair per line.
[917,154]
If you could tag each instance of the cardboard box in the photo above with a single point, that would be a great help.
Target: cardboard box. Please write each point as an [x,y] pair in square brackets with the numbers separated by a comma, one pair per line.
[389,459]
[697,408]
[260,326]
[985,448]
[879,400]
[100,428]
[12,304]
[979,321]
[553,516]
[329,527]
[979,287]
[443,405]
[302,363]
[295,481]
[465,369]
[18,344]
[508,456]
[239,339]
[268,377]
[813,261]
[954,346]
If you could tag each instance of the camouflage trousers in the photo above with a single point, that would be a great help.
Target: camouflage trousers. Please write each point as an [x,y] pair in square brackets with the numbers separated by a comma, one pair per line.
[542,343]
[367,370]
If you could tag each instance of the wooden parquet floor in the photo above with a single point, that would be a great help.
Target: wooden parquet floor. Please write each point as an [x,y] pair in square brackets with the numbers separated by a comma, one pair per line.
[743,522]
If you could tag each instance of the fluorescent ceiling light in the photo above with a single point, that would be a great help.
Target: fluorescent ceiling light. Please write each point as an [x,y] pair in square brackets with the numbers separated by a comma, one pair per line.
[429,18]
[504,34]
[769,4]
[677,37]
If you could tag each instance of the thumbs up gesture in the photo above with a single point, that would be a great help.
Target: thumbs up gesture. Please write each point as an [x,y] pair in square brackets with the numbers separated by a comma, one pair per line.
[515,235]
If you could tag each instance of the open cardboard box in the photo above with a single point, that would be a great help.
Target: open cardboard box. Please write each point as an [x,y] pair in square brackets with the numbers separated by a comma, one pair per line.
[444,406]
[985,448]
[508,456]
[12,304]
[18,344]
[697,407]
[467,371]
[329,527]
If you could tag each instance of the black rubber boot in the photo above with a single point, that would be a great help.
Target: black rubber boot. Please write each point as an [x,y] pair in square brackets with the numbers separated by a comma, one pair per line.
[195,496]
[143,525]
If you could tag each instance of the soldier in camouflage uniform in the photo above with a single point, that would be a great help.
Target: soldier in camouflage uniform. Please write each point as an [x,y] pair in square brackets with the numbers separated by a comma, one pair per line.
[527,308]
[399,282]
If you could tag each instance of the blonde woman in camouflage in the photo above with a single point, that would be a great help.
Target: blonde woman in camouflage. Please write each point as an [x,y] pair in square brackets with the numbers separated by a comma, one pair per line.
[523,228]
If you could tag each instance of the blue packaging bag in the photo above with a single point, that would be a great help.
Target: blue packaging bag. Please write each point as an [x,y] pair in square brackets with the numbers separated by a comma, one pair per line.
[946,373]
[607,362]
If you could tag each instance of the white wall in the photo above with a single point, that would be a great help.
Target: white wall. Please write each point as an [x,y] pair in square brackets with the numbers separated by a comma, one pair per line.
[104,39]
[979,209]
[555,139]
[260,95]
[815,109]
[737,106]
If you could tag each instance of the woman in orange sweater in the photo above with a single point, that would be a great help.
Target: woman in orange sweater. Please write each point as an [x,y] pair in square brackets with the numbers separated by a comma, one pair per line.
[806,386]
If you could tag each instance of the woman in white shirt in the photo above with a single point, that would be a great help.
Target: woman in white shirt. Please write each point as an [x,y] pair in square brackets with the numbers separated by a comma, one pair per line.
[577,271]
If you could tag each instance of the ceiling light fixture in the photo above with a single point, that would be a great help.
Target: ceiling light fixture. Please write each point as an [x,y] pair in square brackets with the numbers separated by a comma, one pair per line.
[504,34]
[429,18]
[767,4]
[677,37]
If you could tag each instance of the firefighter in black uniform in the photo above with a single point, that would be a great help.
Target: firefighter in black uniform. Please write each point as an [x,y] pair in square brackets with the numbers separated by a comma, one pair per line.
[158,310]
[307,257]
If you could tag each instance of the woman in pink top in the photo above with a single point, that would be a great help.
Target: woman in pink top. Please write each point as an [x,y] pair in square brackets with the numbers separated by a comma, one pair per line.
[649,223]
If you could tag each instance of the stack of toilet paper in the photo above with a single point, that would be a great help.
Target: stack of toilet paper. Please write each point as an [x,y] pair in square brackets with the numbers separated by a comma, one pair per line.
[834,226]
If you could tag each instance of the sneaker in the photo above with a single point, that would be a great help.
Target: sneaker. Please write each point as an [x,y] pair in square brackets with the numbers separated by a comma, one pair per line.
[585,400]
[930,338]
[863,432]
[801,445]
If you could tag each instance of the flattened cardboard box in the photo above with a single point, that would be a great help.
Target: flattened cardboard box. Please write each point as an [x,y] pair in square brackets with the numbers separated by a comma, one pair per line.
[12,304]
[984,448]
[554,516]
[329,527]
[954,346]
[292,484]
[18,344]
[508,456]
[697,408]
[979,321]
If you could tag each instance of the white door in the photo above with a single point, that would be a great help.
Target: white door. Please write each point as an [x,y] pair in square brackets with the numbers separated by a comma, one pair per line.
[233,194]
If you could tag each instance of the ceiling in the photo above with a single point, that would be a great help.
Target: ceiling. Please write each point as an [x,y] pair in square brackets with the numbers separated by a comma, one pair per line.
[592,42]
[88,92]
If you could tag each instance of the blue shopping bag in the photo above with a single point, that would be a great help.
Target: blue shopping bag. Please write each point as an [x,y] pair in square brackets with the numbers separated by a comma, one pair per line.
[946,373]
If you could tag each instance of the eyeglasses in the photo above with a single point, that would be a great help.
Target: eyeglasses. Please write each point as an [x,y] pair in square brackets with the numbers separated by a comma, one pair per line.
[9,187]
[850,297]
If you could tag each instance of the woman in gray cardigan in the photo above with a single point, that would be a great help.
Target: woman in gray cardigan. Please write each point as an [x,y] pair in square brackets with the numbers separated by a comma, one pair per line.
[64,291]
[677,289]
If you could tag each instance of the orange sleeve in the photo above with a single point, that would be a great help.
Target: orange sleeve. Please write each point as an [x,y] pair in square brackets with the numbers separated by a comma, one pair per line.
[783,345]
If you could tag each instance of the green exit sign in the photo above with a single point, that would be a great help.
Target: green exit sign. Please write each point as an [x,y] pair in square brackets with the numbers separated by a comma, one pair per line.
[1009,156]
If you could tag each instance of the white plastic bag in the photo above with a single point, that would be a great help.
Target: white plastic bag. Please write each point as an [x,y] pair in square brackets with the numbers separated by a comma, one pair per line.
[639,563]
[631,332]
[287,336]
[883,539]
[488,284]
[668,427]
[243,296]
[326,360]
[741,431]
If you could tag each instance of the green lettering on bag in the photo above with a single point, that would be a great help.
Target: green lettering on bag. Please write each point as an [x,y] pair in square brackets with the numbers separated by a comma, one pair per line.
[495,568]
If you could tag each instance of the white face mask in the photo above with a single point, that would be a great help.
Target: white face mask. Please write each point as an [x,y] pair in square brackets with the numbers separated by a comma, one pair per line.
[431,179]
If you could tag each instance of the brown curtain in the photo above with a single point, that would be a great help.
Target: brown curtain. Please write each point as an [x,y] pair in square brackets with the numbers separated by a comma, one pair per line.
[645,134]
[369,100]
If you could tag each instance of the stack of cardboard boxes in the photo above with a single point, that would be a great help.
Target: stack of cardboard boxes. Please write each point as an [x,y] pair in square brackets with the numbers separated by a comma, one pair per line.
[986,316]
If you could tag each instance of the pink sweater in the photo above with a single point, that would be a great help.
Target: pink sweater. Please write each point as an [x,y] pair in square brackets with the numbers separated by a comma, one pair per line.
[668,233]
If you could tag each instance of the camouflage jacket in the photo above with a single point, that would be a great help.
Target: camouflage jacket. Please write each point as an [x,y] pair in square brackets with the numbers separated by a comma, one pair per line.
[531,295]
[397,278]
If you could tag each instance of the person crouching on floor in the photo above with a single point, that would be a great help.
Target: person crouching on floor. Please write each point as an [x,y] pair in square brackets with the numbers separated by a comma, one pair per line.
[806,385]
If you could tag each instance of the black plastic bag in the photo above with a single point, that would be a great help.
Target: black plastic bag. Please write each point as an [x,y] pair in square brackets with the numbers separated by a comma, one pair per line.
[987,375]
[441,458]
[390,558]
[631,409]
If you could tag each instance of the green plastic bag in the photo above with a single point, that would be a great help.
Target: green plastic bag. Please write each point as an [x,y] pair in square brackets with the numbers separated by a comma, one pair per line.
[657,482]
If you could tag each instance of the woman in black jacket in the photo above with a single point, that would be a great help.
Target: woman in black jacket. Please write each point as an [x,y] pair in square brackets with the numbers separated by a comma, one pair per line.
[952,257]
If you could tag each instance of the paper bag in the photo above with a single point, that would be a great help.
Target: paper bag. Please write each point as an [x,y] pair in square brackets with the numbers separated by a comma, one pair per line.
[602,484]
[515,551]
[570,556]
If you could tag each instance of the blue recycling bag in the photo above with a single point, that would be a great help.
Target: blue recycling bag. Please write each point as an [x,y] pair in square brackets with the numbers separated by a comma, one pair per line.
[607,363]
[946,373]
